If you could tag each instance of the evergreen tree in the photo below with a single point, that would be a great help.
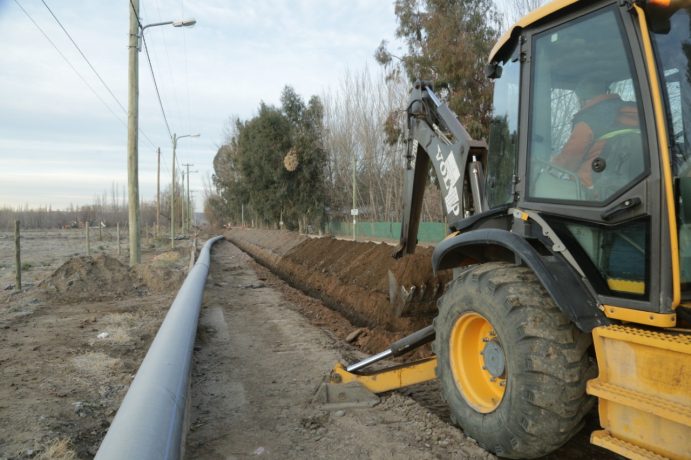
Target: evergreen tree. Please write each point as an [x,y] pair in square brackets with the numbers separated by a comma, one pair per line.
[252,168]
[448,41]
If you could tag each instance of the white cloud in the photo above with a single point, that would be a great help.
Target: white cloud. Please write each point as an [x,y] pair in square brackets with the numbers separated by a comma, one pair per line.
[58,140]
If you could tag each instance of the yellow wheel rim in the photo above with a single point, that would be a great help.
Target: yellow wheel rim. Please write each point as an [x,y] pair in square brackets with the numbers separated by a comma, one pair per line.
[477,362]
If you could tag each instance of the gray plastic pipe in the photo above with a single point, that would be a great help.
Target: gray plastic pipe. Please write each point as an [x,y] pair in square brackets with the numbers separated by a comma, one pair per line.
[150,421]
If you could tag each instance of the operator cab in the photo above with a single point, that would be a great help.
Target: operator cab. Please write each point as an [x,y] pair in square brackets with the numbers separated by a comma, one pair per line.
[602,146]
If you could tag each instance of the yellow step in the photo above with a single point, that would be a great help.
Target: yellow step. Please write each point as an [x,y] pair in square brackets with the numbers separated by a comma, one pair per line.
[680,342]
[604,439]
[679,413]
[643,391]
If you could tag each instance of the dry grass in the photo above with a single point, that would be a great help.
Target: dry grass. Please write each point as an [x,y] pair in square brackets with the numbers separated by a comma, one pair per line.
[166,260]
[96,364]
[60,449]
[120,318]
[119,334]
[119,326]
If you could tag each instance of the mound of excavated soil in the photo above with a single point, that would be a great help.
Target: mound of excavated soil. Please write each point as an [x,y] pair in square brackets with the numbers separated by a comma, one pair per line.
[352,277]
[101,278]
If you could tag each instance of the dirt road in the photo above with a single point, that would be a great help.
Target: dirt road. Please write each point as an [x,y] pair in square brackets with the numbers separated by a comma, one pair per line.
[279,364]
[263,348]
[258,364]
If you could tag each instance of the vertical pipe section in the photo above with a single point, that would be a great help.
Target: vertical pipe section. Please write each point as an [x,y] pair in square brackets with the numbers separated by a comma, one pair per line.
[150,421]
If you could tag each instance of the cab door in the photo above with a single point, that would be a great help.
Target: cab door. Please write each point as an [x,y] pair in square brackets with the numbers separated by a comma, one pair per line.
[590,159]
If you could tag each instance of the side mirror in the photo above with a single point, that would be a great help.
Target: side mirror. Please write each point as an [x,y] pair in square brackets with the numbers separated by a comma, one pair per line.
[493,70]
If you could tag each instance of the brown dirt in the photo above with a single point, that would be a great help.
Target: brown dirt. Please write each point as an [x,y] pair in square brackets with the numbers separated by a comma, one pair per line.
[257,365]
[100,278]
[352,278]
[254,371]
[61,383]
[337,262]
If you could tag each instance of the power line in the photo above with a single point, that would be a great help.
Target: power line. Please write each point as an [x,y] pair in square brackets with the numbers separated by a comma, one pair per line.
[105,85]
[153,76]
[81,77]
[174,75]
[136,14]
[158,94]
[84,56]
[187,75]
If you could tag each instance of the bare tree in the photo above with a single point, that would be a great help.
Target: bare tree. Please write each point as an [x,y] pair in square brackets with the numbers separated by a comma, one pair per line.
[355,114]
[513,10]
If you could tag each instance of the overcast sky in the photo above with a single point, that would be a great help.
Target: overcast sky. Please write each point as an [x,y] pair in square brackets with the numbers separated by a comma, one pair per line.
[61,144]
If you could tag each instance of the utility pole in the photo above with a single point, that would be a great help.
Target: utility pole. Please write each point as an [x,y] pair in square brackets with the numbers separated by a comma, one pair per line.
[137,32]
[183,216]
[189,215]
[176,138]
[172,196]
[132,137]
[158,191]
[190,200]
[17,257]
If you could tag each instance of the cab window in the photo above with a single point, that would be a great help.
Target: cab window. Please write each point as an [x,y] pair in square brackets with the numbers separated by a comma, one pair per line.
[586,137]
[503,135]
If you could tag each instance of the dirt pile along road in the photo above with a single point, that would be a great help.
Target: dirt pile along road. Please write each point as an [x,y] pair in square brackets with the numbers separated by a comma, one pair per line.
[102,277]
[71,342]
[353,278]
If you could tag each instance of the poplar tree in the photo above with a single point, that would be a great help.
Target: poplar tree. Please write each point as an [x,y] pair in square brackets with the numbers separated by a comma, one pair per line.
[448,42]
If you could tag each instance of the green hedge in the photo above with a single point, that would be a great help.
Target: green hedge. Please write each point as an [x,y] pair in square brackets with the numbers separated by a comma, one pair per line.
[429,232]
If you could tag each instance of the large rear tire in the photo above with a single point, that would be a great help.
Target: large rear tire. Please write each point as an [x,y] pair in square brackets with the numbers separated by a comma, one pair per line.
[512,367]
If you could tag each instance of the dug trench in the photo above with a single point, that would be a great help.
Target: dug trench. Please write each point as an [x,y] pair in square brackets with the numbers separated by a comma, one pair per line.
[385,299]
[352,282]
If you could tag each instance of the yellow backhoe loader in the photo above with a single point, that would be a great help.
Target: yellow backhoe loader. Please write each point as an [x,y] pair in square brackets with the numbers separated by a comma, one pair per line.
[569,236]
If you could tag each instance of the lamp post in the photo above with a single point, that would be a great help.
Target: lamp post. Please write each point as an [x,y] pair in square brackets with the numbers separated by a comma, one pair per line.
[135,34]
[188,208]
[172,188]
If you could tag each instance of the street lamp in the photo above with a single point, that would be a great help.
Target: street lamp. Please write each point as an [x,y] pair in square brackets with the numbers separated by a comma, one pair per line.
[180,23]
[175,139]
[135,33]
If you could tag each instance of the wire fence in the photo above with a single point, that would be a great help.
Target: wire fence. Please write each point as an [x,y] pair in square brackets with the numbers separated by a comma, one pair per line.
[429,232]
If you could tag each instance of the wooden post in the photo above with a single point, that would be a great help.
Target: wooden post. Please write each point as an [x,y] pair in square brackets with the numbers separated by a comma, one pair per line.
[18,258]
[88,241]
[117,232]
[172,197]
[183,221]
[133,137]
[100,232]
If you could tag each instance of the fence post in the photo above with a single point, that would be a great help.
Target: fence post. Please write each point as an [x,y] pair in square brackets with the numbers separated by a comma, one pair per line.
[88,241]
[117,232]
[18,258]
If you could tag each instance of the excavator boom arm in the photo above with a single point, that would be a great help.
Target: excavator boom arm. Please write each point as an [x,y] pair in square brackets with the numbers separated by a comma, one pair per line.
[434,135]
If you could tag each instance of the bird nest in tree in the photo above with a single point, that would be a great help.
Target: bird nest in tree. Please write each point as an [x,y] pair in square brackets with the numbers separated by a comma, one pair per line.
[290,161]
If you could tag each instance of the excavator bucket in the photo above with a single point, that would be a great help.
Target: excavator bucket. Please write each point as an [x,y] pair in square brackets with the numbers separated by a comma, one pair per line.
[413,299]
[644,392]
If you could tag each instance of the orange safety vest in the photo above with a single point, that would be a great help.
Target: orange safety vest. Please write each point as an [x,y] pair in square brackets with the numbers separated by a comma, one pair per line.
[600,119]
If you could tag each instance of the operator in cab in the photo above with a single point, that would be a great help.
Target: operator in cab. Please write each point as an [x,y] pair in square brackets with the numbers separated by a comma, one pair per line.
[602,117]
